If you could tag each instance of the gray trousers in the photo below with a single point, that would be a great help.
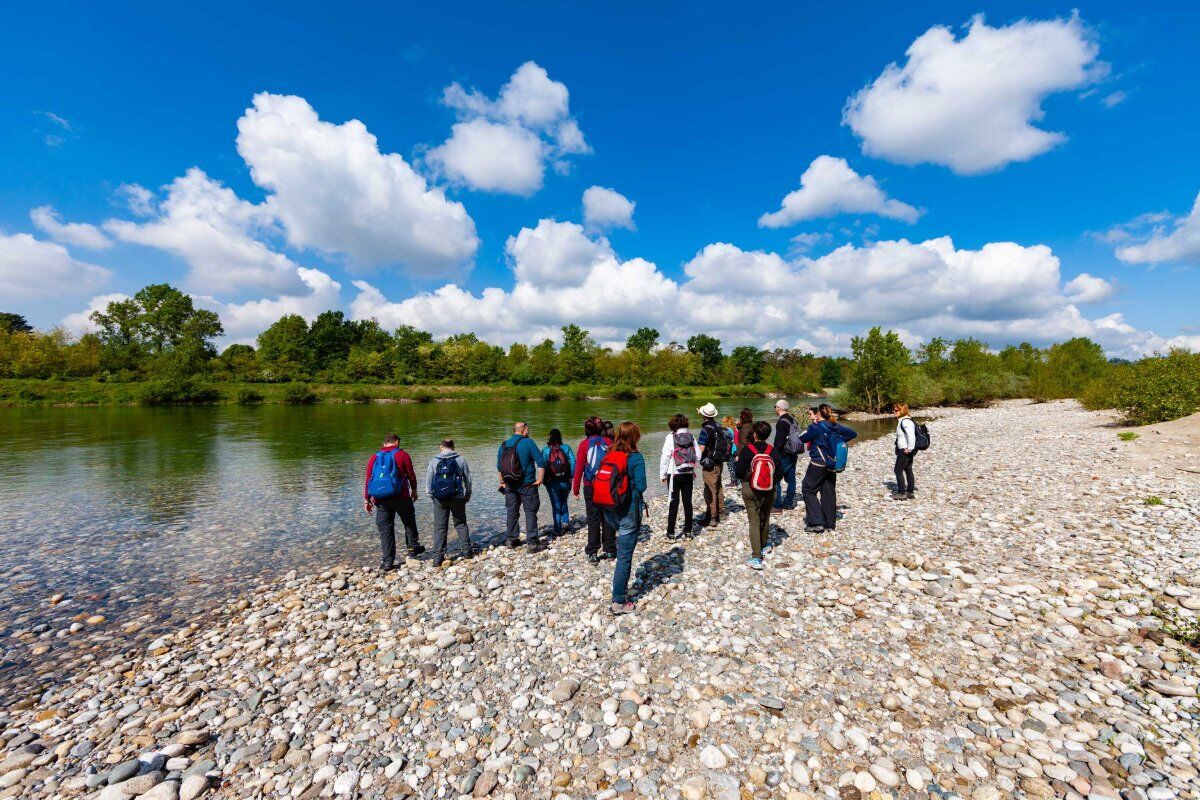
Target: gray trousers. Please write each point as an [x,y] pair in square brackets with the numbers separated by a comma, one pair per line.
[443,510]
[527,498]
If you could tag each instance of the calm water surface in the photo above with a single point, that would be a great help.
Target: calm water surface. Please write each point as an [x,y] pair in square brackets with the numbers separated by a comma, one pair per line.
[152,516]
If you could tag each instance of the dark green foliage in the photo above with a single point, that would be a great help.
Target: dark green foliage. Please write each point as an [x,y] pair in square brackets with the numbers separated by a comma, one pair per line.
[747,364]
[643,339]
[248,397]
[624,393]
[14,323]
[184,391]
[877,376]
[298,394]
[1155,389]
[707,349]
[831,372]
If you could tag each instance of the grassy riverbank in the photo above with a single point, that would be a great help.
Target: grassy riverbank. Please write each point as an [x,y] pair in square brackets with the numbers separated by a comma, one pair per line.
[55,392]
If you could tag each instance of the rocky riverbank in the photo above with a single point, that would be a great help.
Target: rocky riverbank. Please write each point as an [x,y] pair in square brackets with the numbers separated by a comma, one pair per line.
[1009,633]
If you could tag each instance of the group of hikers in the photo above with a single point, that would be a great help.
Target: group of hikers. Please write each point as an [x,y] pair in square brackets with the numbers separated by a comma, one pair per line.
[610,473]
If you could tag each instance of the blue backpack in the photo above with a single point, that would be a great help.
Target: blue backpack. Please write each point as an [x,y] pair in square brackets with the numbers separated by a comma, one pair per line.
[597,449]
[835,449]
[447,479]
[386,480]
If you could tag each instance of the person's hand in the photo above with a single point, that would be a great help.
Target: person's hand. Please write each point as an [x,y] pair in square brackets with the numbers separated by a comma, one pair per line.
[664,479]
[538,482]
[907,451]
[414,497]
[370,506]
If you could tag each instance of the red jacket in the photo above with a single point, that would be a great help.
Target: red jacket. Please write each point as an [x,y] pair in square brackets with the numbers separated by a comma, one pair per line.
[581,462]
[403,463]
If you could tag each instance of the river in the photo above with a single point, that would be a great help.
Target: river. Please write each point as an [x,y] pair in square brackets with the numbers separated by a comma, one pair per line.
[148,517]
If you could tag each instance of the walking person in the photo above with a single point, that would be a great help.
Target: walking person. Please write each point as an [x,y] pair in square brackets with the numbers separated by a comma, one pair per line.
[389,490]
[448,482]
[602,537]
[788,447]
[730,426]
[757,465]
[521,469]
[906,451]
[677,468]
[560,468]
[819,487]
[715,448]
[620,483]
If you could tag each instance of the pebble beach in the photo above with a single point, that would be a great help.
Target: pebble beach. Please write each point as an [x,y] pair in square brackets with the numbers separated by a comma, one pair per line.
[1011,632]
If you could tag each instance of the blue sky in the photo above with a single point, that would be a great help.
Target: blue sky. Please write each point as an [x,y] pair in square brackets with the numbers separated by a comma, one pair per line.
[704,118]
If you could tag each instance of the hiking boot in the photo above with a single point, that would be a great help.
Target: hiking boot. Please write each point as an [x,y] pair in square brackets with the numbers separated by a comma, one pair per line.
[622,608]
[608,557]
[437,563]
[899,496]
[814,528]
[538,546]
[514,543]
[413,552]
[386,567]
[754,563]
[593,558]
[911,495]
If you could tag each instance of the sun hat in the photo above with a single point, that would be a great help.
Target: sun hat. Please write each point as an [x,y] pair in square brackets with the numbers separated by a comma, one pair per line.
[707,410]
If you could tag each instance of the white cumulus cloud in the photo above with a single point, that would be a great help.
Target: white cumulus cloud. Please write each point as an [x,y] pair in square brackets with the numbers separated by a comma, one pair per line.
[1150,240]
[830,187]
[334,191]
[216,233]
[504,145]
[79,234]
[80,322]
[31,268]
[607,208]
[971,104]
[244,321]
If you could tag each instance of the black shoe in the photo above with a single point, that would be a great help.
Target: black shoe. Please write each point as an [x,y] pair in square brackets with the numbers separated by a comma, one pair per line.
[671,536]
[514,543]
[911,495]
[609,557]
[593,558]
[538,546]
[413,552]
[470,554]
[899,496]
[437,562]
[814,528]
[386,567]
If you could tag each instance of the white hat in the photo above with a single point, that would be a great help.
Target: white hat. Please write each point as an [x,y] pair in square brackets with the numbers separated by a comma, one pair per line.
[707,410]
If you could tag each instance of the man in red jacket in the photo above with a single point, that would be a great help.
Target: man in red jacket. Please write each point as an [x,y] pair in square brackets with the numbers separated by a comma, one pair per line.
[386,508]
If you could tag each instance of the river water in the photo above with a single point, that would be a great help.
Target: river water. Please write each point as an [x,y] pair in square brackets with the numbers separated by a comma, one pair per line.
[149,517]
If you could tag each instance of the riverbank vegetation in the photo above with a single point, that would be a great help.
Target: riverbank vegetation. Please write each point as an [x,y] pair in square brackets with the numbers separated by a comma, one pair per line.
[157,348]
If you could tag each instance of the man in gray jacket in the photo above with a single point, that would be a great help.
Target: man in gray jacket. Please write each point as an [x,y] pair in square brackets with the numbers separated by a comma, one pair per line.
[448,481]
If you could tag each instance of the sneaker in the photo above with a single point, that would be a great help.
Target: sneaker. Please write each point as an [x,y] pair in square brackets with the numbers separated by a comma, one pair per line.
[416,551]
[622,608]
[754,563]
[608,557]
[814,528]
[593,558]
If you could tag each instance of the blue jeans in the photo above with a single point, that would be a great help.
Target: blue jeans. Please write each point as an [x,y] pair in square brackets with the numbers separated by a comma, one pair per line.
[787,473]
[628,524]
[558,493]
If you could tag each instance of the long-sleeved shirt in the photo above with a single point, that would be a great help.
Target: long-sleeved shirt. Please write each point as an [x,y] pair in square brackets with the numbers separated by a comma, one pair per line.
[741,467]
[570,456]
[527,451]
[635,467]
[906,435]
[818,434]
[403,464]
[581,462]
[666,462]
[463,470]
[782,427]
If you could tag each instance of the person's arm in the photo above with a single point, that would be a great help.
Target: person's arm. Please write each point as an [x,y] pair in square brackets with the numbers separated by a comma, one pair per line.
[429,472]
[570,459]
[499,473]
[466,476]
[742,465]
[810,433]
[847,433]
[664,460]
[405,465]
[637,472]
[539,462]
[580,459]
[702,440]
[367,483]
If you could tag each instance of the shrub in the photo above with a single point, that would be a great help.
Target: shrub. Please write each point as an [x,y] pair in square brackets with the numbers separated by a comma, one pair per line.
[28,395]
[1128,436]
[248,397]
[1158,389]
[360,396]
[423,397]
[1153,500]
[177,391]
[298,394]
[551,396]
[624,393]
[661,393]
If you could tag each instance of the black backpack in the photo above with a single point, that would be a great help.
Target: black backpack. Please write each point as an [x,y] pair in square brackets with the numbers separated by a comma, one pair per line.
[718,447]
[511,469]
[921,435]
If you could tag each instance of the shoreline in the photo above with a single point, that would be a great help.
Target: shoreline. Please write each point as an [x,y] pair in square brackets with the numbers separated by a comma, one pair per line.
[488,672]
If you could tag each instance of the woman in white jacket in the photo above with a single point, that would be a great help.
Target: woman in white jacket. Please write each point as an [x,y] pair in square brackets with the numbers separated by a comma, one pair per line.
[677,468]
[906,450]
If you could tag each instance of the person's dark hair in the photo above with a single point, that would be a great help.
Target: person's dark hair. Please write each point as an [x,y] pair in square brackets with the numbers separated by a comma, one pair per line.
[608,429]
[626,440]
[555,437]
[592,426]
[448,444]
[826,411]
[391,438]
[678,421]
[761,431]
[746,416]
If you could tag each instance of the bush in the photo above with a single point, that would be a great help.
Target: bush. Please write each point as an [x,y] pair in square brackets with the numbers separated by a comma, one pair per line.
[1128,436]
[661,393]
[551,396]
[298,394]
[624,393]
[360,396]
[248,397]
[1153,500]
[423,397]
[1158,389]
[177,391]
[922,390]
[27,395]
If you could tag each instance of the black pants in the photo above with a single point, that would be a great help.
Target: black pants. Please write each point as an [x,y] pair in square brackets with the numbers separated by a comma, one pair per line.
[905,482]
[386,509]
[515,499]
[600,533]
[681,492]
[820,481]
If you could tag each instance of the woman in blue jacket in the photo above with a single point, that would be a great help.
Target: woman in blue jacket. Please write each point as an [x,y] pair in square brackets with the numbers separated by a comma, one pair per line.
[820,478]
[560,467]
[627,520]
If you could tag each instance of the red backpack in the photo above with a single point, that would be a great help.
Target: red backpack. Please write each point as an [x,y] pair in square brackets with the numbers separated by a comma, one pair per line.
[610,489]
[762,469]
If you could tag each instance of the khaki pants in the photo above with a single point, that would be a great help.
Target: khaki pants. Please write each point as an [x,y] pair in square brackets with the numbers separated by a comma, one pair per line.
[758,509]
[714,495]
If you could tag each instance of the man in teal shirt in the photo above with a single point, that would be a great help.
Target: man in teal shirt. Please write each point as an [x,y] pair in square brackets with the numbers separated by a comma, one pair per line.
[521,467]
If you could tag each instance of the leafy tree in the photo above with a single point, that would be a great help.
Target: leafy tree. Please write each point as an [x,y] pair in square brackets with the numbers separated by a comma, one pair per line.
[831,372]
[410,344]
[1020,360]
[748,362]
[878,373]
[643,340]
[576,359]
[543,363]
[158,321]
[330,339]
[1068,368]
[284,348]
[707,349]
[14,323]
[932,355]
